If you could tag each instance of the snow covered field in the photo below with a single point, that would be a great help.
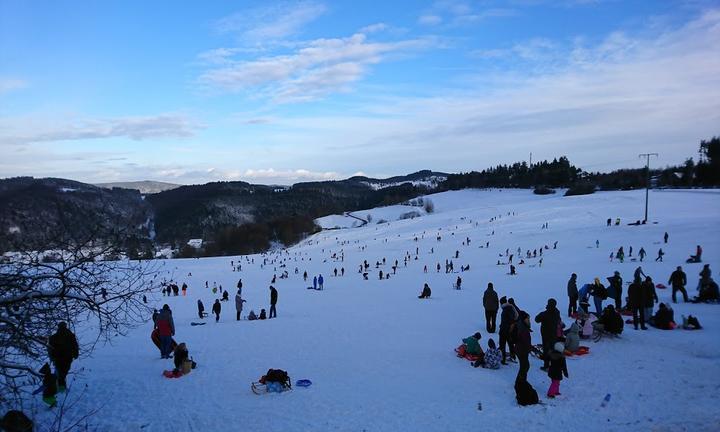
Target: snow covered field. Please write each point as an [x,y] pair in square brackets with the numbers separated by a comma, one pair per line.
[382,360]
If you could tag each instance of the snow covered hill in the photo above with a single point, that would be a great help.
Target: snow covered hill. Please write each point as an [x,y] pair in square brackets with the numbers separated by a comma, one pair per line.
[382,360]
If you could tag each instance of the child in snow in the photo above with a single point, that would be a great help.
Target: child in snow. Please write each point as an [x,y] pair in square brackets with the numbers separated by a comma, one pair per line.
[492,356]
[49,385]
[471,344]
[263,314]
[558,368]
[252,316]
[180,355]
[425,292]
[572,338]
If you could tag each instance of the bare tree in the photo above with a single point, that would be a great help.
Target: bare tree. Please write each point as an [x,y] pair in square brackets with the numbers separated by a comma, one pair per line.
[66,279]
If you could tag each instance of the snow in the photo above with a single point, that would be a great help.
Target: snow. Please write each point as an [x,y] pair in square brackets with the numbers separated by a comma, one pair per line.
[382,360]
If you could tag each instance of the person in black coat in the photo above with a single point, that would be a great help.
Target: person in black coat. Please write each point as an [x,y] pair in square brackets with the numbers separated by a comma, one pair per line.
[201,309]
[273,302]
[426,292]
[507,317]
[650,296]
[491,305]
[678,280]
[63,349]
[636,301]
[217,307]
[557,368]
[523,345]
[572,292]
[549,320]
[616,289]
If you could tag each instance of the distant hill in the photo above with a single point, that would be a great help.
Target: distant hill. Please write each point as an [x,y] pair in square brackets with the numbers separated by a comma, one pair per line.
[145,187]
[232,217]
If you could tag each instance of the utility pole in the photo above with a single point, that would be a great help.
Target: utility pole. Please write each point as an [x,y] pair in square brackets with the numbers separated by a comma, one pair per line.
[647,184]
[530,158]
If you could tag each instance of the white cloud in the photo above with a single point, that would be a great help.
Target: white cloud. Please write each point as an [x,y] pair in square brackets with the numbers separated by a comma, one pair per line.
[374,28]
[430,19]
[602,104]
[36,129]
[315,69]
[11,84]
[271,23]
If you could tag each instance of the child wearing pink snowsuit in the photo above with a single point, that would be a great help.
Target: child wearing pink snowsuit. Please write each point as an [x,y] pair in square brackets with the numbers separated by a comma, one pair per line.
[557,368]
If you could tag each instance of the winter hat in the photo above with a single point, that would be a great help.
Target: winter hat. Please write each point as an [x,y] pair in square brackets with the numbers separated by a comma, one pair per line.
[477,335]
[503,300]
[491,343]
[617,273]
[559,346]
[552,302]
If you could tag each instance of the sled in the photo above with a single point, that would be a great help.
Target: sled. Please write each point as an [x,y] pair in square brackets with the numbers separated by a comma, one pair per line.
[460,351]
[260,388]
[197,323]
[660,286]
[172,374]
[581,351]
[303,383]
[537,351]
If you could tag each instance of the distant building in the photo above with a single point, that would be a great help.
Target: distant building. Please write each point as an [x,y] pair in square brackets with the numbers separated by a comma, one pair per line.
[195,243]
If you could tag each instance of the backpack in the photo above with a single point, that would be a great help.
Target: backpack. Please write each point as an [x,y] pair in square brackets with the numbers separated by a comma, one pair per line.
[525,393]
[277,376]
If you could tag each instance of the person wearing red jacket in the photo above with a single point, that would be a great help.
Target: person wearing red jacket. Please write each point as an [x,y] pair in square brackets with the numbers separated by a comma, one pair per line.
[166,330]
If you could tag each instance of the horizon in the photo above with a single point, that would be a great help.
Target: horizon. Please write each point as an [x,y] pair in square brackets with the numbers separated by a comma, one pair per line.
[286,92]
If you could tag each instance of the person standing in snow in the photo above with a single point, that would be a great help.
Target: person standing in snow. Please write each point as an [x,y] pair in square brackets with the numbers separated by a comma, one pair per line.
[650,296]
[491,306]
[660,255]
[166,330]
[201,309]
[523,344]
[63,349]
[558,368]
[273,302]
[217,307]
[320,281]
[678,280]
[665,237]
[238,305]
[572,292]
[549,320]
[636,300]
[507,318]
[315,283]
[638,274]
[239,286]
[599,293]
[615,289]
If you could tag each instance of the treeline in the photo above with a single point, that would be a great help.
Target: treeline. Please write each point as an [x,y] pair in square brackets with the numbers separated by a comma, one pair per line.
[238,218]
[560,173]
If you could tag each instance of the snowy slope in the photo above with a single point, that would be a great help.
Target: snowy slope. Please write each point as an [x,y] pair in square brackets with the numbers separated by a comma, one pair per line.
[382,360]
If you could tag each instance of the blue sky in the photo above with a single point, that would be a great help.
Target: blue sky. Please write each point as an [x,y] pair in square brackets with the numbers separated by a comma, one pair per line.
[281,92]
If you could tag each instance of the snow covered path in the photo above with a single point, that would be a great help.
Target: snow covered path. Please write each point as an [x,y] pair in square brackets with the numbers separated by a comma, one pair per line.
[382,360]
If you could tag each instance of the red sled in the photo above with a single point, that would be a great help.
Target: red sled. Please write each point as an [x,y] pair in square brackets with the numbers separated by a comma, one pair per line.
[581,351]
[660,286]
[172,374]
[460,351]
[155,337]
